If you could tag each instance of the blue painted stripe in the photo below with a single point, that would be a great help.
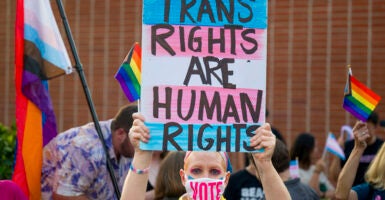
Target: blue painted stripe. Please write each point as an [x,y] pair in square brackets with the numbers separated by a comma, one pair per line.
[154,13]
[336,153]
[210,135]
[48,52]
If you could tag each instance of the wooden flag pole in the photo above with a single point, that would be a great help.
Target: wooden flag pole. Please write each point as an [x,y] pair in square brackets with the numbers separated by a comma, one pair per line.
[90,103]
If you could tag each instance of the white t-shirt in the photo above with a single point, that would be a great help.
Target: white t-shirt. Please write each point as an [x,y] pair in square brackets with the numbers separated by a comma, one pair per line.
[305,176]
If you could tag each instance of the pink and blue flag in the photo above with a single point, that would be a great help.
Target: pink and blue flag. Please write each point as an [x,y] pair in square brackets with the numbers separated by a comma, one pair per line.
[333,147]
[129,73]
[294,168]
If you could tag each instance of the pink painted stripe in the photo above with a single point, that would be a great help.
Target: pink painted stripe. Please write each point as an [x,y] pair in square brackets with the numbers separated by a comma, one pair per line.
[225,96]
[202,34]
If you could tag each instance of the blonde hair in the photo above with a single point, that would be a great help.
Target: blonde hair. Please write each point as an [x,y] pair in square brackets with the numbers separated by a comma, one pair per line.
[376,172]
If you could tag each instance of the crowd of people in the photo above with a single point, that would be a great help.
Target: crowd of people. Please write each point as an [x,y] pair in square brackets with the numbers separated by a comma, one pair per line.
[75,166]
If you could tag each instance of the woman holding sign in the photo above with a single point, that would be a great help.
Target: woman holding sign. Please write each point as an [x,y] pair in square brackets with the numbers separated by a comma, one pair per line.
[205,174]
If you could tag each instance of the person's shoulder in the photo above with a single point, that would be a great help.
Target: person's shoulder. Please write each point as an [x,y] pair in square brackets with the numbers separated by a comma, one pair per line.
[349,143]
[375,146]
[238,174]
[348,147]
[379,141]
[299,190]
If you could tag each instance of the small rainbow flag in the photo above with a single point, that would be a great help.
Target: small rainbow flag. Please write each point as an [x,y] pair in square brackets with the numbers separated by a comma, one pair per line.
[359,100]
[129,73]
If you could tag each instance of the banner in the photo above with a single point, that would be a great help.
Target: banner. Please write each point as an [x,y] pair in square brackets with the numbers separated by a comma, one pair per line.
[203,73]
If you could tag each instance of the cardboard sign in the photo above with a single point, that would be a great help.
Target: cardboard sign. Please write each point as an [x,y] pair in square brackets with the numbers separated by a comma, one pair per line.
[203,73]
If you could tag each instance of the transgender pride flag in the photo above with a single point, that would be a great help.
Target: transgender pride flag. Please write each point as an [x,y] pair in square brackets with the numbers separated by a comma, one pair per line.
[333,147]
[40,54]
[294,168]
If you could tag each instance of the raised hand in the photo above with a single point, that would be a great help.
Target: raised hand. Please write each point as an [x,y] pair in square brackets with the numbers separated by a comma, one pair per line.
[139,131]
[263,138]
[361,133]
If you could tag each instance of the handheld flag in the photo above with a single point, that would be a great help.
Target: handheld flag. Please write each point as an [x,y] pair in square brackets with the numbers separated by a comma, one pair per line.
[333,147]
[359,100]
[294,168]
[349,132]
[129,73]
[40,55]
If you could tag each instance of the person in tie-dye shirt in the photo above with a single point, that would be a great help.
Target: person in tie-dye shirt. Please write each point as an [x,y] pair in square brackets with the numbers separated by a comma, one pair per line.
[74,163]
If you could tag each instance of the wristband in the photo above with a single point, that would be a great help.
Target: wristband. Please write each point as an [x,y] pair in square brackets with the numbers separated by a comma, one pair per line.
[139,171]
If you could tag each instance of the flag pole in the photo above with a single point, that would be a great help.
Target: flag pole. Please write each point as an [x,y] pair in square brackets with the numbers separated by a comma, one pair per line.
[91,106]
[324,152]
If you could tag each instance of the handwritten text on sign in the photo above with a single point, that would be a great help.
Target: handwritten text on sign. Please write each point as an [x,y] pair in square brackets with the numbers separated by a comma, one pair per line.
[203,73]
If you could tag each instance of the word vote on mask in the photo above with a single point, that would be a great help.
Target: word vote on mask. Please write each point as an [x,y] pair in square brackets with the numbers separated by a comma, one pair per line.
[205,188]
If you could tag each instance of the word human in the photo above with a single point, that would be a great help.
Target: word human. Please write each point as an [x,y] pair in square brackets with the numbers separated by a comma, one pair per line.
[207,105]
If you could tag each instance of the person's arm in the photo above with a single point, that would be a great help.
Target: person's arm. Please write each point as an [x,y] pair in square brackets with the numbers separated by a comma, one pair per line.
[334,170]
[135,183]
[60,197]
[314,179]
[335,165]
[348,172]
[273,185]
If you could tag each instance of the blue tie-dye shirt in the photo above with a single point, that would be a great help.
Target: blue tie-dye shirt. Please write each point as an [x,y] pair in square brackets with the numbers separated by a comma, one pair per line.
[74,163]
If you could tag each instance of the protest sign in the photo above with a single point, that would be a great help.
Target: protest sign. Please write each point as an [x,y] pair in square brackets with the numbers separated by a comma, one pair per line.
[203,73]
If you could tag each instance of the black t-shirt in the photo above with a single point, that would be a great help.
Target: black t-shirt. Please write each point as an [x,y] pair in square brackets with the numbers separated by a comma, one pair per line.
[366,158]
[243,186]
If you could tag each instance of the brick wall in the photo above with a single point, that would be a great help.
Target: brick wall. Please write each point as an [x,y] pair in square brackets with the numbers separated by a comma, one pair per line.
[310,43]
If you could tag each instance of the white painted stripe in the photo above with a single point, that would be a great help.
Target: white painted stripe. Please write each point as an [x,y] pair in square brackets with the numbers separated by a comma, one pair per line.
[106,53]
[91,48]
[289,71]
[271,59]
[348,47]
[328,65]
[122,46]
[138,21]
[369,48]
[76,87]
[60,111]
[309,58]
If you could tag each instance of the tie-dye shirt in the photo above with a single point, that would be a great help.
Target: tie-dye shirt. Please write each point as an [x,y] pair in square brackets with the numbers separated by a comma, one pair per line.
[74,163]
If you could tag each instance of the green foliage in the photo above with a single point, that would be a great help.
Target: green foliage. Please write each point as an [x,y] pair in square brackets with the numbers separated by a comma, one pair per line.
[7,150]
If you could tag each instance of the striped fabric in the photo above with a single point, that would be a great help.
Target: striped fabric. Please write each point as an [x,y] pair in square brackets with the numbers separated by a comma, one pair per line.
[333,147]
[359,100]
[40,54]
[294,168]
[129,73]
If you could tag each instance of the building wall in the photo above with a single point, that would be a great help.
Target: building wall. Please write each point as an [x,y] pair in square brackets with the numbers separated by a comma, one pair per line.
[310,44]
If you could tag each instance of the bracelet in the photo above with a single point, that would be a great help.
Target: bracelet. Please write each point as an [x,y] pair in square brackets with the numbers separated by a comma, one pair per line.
[139,171]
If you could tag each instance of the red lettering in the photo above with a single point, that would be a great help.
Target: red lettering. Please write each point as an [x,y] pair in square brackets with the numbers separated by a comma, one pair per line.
[203,191]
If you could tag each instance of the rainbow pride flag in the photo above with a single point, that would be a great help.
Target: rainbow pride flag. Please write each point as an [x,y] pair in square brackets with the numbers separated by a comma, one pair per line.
[129,73]
[359,100]
[40,55]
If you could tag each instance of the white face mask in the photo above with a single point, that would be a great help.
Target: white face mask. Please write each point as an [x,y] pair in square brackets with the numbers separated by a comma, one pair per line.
[205,188]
